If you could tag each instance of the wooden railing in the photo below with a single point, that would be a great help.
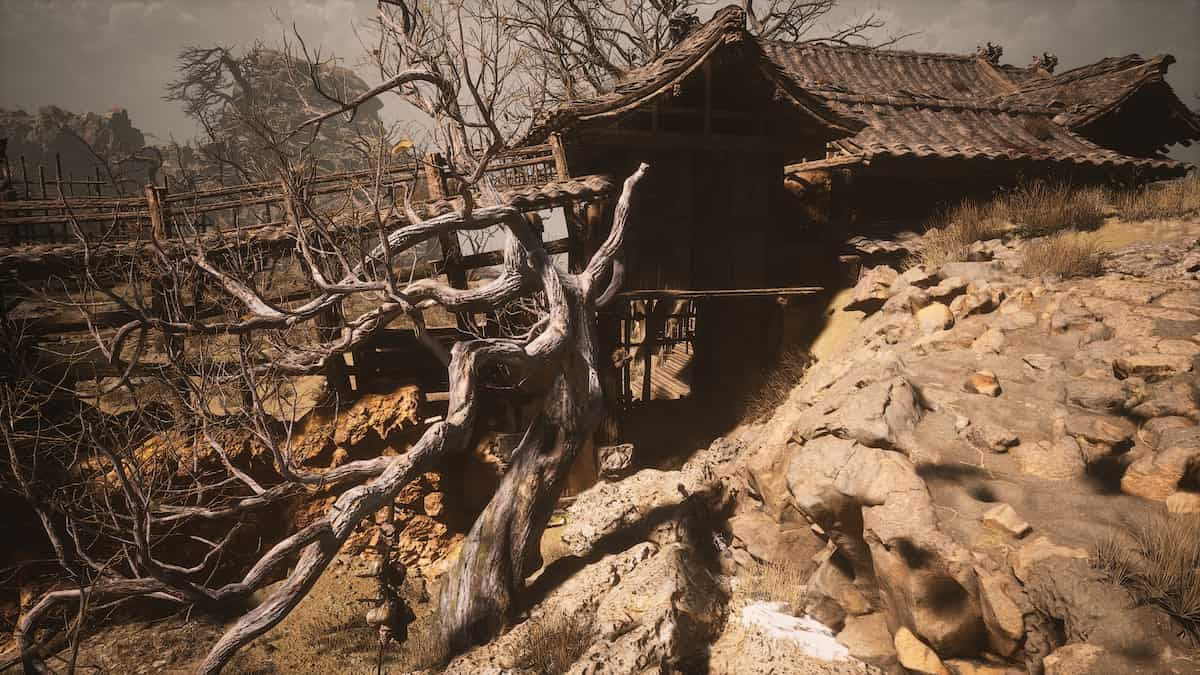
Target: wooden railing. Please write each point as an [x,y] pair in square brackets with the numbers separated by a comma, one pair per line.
[61,217]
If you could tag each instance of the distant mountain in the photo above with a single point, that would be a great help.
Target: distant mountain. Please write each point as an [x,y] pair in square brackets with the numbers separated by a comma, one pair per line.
[52,131]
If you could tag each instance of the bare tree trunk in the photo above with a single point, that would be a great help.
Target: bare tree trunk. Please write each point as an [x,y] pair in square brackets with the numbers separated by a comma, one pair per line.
[503,547]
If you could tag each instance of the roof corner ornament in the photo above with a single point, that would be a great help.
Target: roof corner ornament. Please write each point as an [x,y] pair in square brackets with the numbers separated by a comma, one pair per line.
[991,53]
[1048,61]
[681,24]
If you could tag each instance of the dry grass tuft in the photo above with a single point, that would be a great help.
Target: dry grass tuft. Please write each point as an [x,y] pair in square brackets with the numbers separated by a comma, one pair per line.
[1065,254]
[779,582]
[1041,208]
[1158,560]
[776,383]
[1174,199]
[551,645]
[953,230]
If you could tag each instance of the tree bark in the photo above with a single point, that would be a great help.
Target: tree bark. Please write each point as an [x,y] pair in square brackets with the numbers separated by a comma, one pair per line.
[503,547]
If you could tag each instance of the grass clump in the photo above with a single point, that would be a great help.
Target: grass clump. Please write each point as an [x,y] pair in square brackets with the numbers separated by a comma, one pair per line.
[776,382]
[552,644]
[952,231]
[1158,561]
[785,581]
[1173,199]
[1040,208]
[1065,254]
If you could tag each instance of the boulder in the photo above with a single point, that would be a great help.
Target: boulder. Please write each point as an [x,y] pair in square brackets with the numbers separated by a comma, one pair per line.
[983,382]
[1004,518]
[1057,460]
[947,289]
[1158,475]
[1077,659]
[606,509]
[916,656]
[980,298]
[615,460]
[868,639]
[988,436]
[1151,367]
[773,542]
[918,276]
[872,289]
[991,342]
[1037,551]
[934,317]
[1003,617]
[908,300]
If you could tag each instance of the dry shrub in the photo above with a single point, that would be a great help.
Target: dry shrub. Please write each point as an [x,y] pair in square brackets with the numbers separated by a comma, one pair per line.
[953,230]
[424,648]
[776,383]
[1040,208]
[1065,254]
[551,645]
[785,581]
[1174,199]
[1158,561]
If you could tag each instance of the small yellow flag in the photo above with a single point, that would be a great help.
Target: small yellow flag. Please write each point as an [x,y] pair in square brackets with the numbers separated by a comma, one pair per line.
[401,145]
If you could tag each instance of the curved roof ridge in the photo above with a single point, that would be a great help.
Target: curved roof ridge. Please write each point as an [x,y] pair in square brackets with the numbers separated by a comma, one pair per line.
[866,49]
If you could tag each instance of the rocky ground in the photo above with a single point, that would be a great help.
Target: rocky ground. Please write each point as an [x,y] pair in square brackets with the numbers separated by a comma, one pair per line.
[938,483]
[926,500]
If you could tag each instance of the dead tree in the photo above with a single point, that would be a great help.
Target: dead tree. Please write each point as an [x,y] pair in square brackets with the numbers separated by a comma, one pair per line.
[583,46]
[257,341]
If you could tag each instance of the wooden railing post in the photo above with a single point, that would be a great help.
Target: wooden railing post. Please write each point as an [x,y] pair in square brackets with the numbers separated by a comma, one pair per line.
[456,274]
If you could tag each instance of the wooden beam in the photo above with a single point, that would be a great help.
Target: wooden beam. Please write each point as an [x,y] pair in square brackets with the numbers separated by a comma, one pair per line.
[669,140]
[682,294]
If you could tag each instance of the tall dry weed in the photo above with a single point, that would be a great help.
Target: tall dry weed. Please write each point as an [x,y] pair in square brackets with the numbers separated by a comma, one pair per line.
[1174,199]
[552,644]
[776,382]
[1158,560]
[1065,254]
[1040,208]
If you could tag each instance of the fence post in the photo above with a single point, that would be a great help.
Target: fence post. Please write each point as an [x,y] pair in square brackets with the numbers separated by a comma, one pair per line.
[25,177]
[456,274]
[165,298]
[158,228]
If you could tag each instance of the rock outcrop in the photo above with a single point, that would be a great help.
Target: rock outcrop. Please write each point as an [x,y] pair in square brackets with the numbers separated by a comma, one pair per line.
[962,451]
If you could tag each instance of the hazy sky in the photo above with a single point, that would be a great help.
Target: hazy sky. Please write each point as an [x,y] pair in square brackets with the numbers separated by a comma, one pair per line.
[92,55]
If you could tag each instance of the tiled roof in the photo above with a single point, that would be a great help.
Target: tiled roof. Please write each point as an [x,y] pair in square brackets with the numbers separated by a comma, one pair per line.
[962,133]
[901,103]
[641,84]
[830,69]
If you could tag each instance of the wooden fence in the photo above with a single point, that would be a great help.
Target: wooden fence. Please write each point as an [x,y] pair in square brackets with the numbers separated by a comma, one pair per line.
[50,213]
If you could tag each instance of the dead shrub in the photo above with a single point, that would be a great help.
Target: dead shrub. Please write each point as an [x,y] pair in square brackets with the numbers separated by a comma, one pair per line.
[776,383]
[785,581]
[552,644]
[1041,208]
[951,231]
[1158,560]
[1174,199]
[1065,254]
